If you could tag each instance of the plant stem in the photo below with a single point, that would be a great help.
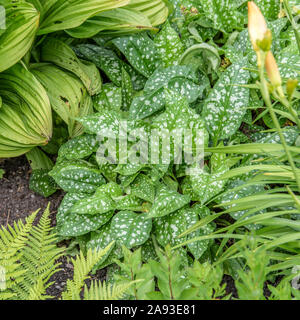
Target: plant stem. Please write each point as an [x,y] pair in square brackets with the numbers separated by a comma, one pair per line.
[288,105]
[291,18]
[266,97]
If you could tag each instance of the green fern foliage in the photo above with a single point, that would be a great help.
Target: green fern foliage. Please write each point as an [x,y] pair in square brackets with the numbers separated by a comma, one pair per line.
[82,267]
[28,254]
[104,291]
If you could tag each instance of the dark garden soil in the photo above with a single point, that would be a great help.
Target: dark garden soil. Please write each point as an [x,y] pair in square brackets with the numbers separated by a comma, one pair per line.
[17,201]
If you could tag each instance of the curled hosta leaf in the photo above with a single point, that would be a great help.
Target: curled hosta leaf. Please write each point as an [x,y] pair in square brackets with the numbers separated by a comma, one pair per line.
[167,201]
[181,79]
[22,21]
[72,13]
[131,229]
[67,95]
[71,224]
[114,22]
[25,112]
[59,53]
[77,176]
[227,103]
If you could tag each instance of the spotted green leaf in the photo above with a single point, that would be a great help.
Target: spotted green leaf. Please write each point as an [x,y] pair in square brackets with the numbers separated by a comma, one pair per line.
[77,176]
[109,98]
[129,202]
[169,46]
[71,224]
[78,148]
[97,204]
[227,103]
[140,51]
[41,183]
[143,188]
[131,229]
[167,201]
[181,79]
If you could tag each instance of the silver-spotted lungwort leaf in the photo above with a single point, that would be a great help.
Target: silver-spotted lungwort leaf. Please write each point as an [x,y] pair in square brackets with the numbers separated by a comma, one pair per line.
[143,188]
[127,90]
[109,98]
[41,183]
[78,148]
[77,176]
[110,64]
[71,224]
[104,59]
[181,79]
[169,46]
[227,103]
[269,8]
[129,202]
[131,229]
[204,186]
[223,14]
[167,201]
[140,51]
[112,189]
[97,204]
[168,229]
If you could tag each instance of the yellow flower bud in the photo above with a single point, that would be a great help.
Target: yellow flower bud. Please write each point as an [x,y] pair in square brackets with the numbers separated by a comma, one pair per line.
[273,72]
[257,25]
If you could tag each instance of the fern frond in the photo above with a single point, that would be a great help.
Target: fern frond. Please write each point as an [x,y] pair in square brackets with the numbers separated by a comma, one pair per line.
[39,257]
[82,267]
[102,291]
[12,241]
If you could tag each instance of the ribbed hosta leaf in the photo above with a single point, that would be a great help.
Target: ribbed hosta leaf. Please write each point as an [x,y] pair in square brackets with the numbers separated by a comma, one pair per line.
[167,201]
[59,53]
[67,14]
[114,22]
[71,224]
[22,21]
[25,114]
[77,176]
[227,103]
[68,96]
[131,229]
[181,79]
